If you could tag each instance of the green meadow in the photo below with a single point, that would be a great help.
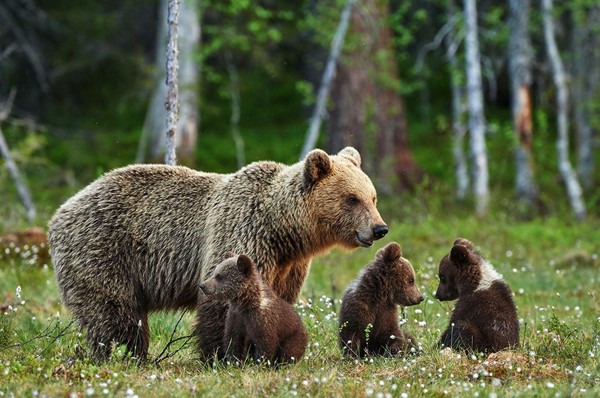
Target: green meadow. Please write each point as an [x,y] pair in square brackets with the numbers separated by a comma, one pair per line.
[550,263]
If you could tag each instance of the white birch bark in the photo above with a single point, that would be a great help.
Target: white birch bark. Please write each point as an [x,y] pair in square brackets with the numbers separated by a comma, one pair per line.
[562,101]
[458,107]
[519,65]
[153,133]
[475,107]
[312,133]
[586,57]
[234,121]
[172,103]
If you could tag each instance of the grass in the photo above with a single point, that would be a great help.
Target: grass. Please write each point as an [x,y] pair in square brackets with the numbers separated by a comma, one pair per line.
[551,265]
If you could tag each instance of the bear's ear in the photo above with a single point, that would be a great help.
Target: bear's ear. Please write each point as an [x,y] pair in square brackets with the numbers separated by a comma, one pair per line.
[316,166]
[460,255]
[245,264]
[390,253]
[464,242]
[351,154]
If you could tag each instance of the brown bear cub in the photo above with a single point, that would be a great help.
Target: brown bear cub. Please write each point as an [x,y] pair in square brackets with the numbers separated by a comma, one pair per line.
[485,317]
[259,324]
[369,313]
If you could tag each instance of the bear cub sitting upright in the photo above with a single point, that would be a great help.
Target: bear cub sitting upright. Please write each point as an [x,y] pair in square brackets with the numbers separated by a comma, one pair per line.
[485,317]
[258,322]
[369,311]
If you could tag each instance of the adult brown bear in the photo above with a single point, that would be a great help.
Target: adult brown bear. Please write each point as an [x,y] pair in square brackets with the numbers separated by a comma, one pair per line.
[143,237]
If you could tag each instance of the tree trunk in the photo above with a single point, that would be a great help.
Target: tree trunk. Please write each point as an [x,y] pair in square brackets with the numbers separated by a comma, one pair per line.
[234,120]
[458,107]
[519,66]
[475,106]
[368,111]
[172,103]
[562,102]
[186,134]
[328,75]
[586,57]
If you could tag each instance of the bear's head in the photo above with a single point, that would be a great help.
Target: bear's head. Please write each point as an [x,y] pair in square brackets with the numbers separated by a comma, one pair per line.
[342,198]
[397,276]
[463,271]
[230,278]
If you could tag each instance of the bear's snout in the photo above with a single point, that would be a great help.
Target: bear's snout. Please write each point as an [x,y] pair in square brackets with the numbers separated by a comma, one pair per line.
[380,231]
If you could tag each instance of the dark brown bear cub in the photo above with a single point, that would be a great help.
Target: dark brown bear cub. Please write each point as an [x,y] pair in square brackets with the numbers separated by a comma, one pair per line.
[485,317]
[369,312]
[258,322]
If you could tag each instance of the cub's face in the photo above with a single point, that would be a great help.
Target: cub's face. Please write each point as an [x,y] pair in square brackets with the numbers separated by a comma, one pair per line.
[343,199]
[229,278]
[459,271]
[400,275]
[447,289]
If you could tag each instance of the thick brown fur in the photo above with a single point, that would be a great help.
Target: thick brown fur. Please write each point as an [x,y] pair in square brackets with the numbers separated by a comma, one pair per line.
[259,323]
[373,299]
[141,238]
[485,316]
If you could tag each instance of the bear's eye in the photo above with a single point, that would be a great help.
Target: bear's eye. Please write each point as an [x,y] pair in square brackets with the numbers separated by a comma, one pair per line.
[411,281]
[218,277]
[353,200]
[442,278]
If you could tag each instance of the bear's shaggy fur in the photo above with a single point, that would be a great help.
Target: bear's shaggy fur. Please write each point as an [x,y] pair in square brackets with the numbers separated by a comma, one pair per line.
[141,238]
[369,312]
[258,322]
[485,317]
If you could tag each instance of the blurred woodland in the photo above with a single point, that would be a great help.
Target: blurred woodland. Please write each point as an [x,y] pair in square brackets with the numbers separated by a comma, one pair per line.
[492,105]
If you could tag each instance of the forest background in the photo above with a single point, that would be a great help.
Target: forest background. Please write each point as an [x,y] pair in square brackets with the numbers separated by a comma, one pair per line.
[507,159]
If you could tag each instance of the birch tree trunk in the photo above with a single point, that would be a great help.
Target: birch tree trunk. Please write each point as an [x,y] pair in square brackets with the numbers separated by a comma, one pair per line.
[234,121]
[519,65]
[337,43]
[562,103]
[586,58]
[186,135]
[172,103]
[458,106]
[475,106]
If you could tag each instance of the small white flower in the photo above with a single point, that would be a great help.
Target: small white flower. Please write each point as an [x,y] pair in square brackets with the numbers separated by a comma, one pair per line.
[393,337]
[89,391]
[18,292]
[550,384]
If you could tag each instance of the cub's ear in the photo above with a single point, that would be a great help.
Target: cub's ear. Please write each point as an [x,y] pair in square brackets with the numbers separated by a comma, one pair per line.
[460,255]
[390,253]
[351,154]
[316,166]
[245,264]
[464,242]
